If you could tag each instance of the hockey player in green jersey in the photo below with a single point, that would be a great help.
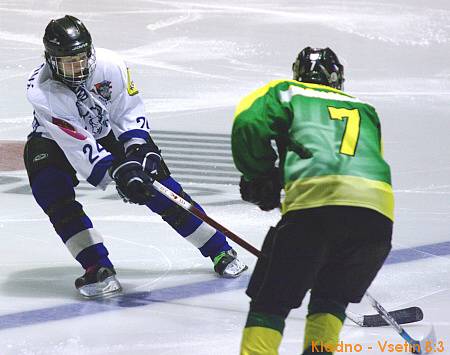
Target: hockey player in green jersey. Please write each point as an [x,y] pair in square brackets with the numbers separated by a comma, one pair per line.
[337,214]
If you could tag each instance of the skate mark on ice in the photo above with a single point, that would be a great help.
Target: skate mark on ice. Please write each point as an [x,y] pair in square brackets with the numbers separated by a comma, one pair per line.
[169,294]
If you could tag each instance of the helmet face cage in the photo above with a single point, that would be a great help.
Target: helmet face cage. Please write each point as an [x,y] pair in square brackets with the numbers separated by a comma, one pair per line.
[73,70]
[319,66]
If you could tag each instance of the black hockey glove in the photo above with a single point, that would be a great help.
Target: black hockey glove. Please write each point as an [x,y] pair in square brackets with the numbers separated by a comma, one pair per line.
[135,174]
[263,191]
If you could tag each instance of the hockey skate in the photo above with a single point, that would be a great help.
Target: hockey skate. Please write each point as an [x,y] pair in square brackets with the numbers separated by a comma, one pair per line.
[98,281]
[227,265]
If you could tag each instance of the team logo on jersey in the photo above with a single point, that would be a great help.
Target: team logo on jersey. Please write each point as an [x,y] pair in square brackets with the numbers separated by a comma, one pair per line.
[92,111]
[68,128]
[104,89]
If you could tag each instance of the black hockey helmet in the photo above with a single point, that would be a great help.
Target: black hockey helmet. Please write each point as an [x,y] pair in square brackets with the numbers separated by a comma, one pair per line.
[69,50]
[319,66]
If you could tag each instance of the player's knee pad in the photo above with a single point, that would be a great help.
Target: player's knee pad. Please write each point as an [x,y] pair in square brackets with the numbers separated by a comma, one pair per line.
[50,185]
[53,191]
[319,304]
[269,306]
[68,217]
[176,215]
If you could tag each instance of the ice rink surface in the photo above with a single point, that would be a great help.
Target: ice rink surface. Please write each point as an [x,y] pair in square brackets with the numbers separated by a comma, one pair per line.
[192,62]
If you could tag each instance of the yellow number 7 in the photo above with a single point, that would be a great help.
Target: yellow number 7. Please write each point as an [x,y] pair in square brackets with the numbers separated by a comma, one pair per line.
[351,132]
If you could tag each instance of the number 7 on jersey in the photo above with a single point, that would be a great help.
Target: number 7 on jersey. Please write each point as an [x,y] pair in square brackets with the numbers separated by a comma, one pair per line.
[351,131]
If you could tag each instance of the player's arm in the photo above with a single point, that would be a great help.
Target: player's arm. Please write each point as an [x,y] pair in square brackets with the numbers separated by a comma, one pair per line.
[380,136]
[127,114]
[135,173]
[259,119]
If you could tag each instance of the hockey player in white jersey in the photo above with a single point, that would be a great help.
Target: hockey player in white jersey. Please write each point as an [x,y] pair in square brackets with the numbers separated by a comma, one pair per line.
[90,119]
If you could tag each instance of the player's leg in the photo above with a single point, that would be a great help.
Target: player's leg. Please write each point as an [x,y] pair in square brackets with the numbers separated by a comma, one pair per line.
[295,251]
[52,180]
[210,242]
[259,272]
[326,316]
[360,243]
[263,331]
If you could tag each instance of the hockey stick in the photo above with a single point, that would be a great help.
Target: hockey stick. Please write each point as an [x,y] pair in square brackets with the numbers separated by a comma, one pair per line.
[402,316]
[204,217]
[407,315]
[417,346]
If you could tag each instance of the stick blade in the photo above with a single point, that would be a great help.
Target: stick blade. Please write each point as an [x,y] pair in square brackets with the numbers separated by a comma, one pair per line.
[401,316]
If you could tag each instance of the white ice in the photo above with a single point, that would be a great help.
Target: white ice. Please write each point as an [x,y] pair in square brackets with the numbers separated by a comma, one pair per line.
[192,62]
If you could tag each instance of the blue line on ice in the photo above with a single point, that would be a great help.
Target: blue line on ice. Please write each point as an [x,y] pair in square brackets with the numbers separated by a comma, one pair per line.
[135,299]
[217,285]
[418,253]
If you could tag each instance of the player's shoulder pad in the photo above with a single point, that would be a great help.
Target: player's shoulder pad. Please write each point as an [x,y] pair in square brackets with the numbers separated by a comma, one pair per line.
[53,98]
[248,100]
[38,76]
[114,64]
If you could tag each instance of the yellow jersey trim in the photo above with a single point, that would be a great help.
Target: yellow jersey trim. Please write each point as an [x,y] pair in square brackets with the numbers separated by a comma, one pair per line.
[320,87]
[341,190]
[248,101]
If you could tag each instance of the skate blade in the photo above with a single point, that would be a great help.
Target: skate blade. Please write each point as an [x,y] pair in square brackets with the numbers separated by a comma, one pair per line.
[106,288]
[234,269]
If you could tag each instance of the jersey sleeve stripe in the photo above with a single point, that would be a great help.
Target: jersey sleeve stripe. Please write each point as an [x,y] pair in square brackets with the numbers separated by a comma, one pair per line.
[286,96]
[134,133]
[99,170]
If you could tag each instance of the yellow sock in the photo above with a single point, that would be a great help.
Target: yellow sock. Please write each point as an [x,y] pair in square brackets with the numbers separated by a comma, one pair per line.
[260,341]
[322,332]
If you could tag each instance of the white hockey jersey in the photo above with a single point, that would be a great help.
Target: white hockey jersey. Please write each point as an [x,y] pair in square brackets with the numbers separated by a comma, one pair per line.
[76,119]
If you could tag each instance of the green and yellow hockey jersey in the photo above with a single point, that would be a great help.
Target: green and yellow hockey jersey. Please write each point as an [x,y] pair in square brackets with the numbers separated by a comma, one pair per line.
[329,146]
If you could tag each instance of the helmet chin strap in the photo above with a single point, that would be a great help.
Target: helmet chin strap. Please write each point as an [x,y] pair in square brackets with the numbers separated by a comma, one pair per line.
[327,74]
[331,78]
